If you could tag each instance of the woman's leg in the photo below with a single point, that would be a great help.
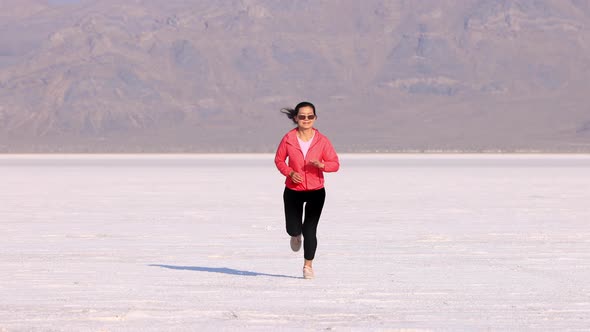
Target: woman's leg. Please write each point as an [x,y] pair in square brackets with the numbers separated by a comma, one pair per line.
[313,210]
[293,203]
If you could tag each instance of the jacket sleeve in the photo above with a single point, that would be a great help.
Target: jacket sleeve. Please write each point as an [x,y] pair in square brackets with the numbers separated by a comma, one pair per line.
[281,157]
[331,162]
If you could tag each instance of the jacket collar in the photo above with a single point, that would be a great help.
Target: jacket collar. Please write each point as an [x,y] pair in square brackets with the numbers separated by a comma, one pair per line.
[292,137]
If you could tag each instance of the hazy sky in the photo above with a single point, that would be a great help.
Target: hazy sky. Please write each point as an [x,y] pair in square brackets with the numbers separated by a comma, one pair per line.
[62,2]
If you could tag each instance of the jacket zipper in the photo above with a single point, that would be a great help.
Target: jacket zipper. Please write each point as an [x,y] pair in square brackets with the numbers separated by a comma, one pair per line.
[304,167]
[305,161]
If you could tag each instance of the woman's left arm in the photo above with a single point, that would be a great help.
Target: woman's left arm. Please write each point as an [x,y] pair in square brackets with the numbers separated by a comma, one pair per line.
[330,158]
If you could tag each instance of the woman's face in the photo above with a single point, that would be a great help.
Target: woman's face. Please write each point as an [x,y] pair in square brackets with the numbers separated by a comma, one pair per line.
[305,117]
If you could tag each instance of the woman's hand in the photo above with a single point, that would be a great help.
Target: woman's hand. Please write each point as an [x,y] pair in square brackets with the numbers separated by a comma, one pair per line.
[295,177]
[317,164]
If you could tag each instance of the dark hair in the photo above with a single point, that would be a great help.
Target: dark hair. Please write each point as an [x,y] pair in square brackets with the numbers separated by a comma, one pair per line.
[292,112]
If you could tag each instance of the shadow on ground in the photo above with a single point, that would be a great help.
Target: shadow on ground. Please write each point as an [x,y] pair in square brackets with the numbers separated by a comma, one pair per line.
[223,270]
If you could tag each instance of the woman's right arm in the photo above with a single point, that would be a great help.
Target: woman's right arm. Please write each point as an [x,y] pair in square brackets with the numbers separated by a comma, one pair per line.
[281,157]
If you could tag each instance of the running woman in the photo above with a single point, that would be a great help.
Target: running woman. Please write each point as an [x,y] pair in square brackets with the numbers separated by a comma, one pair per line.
[303,155]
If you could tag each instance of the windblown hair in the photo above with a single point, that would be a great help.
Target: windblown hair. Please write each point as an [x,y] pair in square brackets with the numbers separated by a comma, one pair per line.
[292,112]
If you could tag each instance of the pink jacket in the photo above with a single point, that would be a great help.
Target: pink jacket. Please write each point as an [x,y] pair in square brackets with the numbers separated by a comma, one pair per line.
[321,149]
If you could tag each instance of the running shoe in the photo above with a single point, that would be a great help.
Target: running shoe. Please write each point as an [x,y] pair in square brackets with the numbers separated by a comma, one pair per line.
[308,272]
[296,243]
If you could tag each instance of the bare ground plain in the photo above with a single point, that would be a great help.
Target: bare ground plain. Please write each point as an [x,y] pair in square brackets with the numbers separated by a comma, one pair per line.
[197,242]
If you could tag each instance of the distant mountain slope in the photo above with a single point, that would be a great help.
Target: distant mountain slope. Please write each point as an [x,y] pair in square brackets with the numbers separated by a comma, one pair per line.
[99,76]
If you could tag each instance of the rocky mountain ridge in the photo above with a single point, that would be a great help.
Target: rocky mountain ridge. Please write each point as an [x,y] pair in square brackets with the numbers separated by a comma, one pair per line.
[211,76]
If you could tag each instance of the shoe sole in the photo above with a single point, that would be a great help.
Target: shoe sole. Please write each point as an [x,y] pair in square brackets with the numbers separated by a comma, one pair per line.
[295,243]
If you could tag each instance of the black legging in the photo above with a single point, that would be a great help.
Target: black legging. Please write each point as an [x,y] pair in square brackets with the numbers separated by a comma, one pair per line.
[295,223]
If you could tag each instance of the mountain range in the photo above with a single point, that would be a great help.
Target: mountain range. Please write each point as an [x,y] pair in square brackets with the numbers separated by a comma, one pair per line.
[212,75]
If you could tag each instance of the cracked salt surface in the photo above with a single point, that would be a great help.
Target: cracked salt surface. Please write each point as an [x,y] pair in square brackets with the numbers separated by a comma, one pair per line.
[197,242]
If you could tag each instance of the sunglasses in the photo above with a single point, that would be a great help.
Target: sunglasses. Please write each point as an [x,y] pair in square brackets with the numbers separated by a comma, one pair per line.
[308,117]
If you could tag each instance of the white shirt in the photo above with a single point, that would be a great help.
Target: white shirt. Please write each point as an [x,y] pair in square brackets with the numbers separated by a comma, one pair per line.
[305,145]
